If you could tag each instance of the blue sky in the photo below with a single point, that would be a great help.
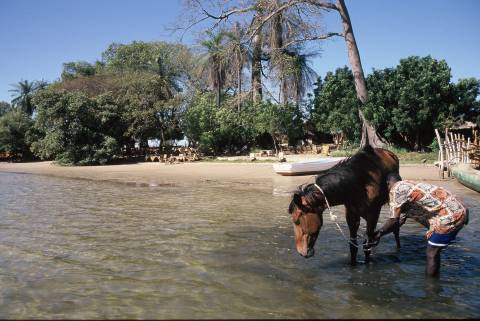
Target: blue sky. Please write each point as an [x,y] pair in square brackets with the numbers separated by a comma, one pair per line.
[37,36]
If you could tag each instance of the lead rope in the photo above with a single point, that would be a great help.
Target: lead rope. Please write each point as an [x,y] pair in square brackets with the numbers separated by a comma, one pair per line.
[334,217]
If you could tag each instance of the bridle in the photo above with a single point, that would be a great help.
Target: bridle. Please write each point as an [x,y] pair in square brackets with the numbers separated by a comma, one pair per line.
[334,217]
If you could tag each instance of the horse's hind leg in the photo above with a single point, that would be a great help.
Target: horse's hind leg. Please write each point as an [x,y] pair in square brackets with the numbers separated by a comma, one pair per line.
[353,221]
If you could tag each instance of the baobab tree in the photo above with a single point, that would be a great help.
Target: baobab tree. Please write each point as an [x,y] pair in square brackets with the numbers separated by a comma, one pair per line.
[369,134]
[263,12]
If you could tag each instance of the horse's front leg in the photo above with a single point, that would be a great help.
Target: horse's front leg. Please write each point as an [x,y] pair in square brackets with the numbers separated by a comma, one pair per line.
[372,219]
[353,221]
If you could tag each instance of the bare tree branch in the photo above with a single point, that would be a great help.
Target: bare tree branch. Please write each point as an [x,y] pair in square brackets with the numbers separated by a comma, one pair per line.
[320,37]
[321,4]
[185,29]
[290,3]
[224,15]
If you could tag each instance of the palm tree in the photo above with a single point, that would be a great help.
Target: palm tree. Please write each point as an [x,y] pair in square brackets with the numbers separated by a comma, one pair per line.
[299,75]
[238,55]
[280,30]
[23,92]
[214,62]
[275,31]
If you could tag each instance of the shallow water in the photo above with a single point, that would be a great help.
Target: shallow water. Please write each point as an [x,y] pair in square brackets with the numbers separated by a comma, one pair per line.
[82,249]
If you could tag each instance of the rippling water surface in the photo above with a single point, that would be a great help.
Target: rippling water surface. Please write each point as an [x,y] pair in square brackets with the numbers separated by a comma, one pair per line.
[86,249]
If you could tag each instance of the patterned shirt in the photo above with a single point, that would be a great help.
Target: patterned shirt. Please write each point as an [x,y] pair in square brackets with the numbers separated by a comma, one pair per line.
[426,202]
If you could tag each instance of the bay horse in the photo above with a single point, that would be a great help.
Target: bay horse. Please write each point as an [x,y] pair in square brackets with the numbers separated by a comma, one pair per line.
[359,183]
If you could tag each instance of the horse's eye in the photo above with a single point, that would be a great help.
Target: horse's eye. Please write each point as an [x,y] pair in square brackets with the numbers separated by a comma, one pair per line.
[296,220]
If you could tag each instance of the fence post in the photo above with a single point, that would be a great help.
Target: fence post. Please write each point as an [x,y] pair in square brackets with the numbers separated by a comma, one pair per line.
[448,151]
[468,148]
[440,149]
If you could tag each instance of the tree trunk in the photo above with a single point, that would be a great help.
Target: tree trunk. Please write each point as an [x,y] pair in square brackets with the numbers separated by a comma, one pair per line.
[277,51]
[369,134]
[219,90]
[239,94]
[284,90]
[417,145]
[162,137]
[257,69]
[298,95]
[275,144]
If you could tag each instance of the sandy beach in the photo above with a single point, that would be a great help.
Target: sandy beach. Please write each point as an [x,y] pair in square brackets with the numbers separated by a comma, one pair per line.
[186,173]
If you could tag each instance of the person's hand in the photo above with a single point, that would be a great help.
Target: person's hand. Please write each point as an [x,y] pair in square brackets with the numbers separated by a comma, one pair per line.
[428,234]
[376,237]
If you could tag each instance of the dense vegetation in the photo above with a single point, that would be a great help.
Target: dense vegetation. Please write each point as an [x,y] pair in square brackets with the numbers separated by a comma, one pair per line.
[142,91]
[406,103]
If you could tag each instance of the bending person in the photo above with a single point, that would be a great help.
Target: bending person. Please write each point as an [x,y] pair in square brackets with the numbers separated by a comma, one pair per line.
[434,207]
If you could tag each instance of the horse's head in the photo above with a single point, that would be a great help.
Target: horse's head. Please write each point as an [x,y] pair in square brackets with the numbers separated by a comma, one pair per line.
[306,208]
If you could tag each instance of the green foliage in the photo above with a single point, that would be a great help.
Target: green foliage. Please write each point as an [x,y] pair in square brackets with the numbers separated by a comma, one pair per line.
[424,84]
[75,69]
[335,105]
[382,96]
[112,118]
[14,126]
[4,108]
[224,129]
[23,92]
[466,106]
[214,62]
[98,111]
[344,152]
[280,121]
[69,129]
[84,125]
[216,130]
[412,157]
[407,103]
[135,56]
[173,62]
[150,109]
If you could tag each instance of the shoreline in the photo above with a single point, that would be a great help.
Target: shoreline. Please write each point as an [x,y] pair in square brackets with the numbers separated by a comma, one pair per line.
[159,174]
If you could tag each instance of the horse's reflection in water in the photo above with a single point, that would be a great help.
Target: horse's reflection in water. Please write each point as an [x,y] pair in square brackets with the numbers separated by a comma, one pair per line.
[359,183]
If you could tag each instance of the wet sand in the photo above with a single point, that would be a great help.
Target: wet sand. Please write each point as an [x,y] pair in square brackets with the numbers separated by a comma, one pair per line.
[185,173]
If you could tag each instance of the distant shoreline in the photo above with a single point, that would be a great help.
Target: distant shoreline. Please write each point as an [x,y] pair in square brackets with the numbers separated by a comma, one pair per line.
[159,174]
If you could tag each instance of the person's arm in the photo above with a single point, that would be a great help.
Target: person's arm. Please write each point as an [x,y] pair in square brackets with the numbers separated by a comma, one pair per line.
[433,225]
[390,225]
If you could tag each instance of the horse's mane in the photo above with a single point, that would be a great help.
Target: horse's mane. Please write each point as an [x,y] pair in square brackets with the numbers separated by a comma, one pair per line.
[350,176]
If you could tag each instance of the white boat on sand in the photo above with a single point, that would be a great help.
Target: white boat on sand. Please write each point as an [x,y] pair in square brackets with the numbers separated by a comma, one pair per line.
[306,167]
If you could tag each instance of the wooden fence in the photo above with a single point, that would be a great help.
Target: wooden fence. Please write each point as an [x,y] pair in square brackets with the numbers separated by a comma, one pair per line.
[456,149]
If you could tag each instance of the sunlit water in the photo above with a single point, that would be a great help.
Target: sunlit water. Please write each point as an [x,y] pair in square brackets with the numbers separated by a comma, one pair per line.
[84,249]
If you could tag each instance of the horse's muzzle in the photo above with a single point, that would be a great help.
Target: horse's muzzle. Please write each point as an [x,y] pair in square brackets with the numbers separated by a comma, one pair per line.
[310,253]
